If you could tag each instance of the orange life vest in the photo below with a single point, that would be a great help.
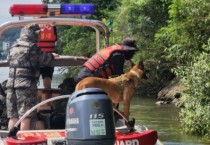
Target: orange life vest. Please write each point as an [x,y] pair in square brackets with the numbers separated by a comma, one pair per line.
[48,38]
[98,61]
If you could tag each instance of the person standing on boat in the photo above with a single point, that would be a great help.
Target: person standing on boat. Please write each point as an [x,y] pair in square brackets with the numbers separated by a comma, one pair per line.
[109,61]
[25,59]
[47,43]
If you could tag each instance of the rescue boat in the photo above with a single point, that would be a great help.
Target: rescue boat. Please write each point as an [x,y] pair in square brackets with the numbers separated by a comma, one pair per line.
[101,131]
[97,126]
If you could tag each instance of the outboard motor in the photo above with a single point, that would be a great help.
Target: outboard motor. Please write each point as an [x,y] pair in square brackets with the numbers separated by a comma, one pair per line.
[89,118]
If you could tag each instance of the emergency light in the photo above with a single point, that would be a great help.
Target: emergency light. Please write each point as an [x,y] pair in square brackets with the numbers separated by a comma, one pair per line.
[51,9]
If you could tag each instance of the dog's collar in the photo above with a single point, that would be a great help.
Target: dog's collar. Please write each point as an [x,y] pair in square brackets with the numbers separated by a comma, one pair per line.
[135,73]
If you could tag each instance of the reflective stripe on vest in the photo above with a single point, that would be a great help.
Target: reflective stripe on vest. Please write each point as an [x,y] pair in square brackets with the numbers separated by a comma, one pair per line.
[99,58]
[47,46]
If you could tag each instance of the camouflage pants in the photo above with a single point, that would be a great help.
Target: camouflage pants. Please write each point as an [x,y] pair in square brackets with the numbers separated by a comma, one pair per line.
[19,101]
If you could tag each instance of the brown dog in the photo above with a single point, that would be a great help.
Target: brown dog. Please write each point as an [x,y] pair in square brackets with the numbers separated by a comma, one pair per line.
[119,88]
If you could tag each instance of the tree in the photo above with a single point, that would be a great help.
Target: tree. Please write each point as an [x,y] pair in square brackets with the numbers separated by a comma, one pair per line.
[186,41]
[186,31]
[81,40]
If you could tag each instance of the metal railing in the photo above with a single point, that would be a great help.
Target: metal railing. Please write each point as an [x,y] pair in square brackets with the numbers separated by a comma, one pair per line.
[63,60]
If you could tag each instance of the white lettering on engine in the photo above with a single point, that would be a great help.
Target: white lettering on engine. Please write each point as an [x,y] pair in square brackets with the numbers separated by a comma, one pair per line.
[127,142]
[73,121]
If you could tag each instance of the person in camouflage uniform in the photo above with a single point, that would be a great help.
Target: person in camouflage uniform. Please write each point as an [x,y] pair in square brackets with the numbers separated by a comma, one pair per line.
[25,59]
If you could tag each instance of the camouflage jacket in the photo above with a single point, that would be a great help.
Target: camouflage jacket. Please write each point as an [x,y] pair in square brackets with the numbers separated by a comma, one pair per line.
[25,59]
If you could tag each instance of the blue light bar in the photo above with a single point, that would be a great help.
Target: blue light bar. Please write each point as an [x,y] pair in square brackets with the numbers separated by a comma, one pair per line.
[82,9]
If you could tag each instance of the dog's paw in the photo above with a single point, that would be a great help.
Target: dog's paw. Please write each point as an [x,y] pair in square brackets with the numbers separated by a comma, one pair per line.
[130,124]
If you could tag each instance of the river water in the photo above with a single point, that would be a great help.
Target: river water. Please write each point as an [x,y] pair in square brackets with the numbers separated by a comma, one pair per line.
[164,119]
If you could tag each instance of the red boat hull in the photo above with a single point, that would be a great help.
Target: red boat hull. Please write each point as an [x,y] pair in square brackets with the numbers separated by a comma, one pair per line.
[148,137]
[51,137]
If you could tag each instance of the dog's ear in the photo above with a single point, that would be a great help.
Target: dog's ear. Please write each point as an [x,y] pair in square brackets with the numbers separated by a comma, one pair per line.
[141,64]
[131,63]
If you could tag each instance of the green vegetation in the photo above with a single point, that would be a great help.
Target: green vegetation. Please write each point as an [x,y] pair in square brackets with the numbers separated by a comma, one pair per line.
[185,41]
[172,31]
[195,117]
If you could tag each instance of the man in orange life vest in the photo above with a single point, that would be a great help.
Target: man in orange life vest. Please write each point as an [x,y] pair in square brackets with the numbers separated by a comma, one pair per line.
[109,61]
[47,43]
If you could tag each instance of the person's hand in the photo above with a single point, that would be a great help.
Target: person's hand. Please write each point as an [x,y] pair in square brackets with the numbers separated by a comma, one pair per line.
[55,55]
